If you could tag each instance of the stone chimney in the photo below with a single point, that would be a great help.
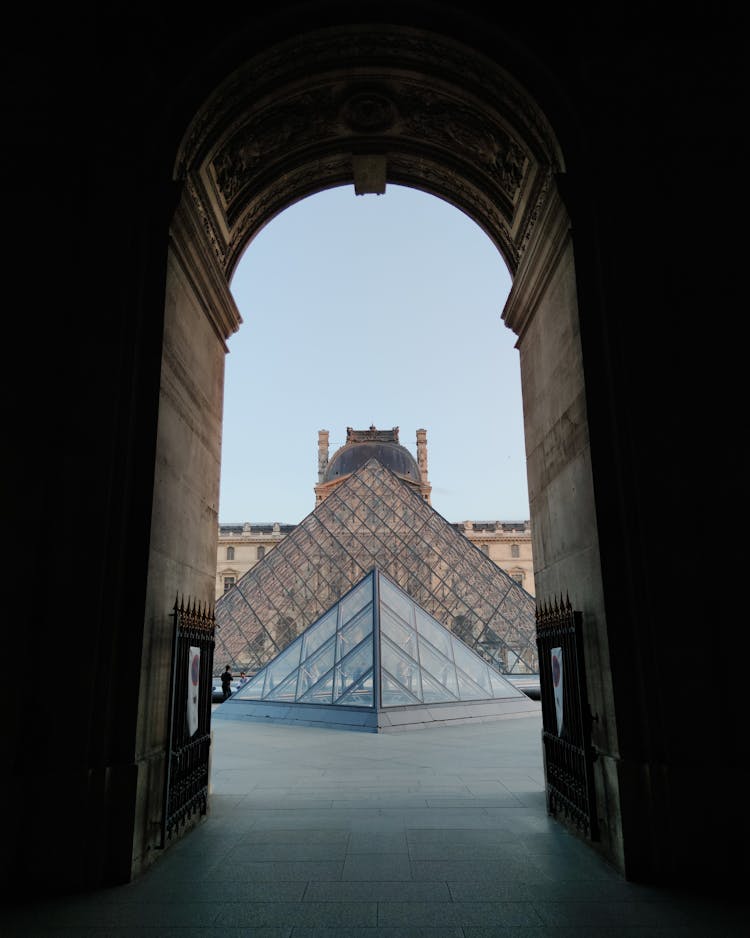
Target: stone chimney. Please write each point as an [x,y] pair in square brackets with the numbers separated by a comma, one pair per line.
[322,454]
[422,463]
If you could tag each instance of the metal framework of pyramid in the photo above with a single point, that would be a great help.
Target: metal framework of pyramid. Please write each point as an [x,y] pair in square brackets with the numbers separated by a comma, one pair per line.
[374,520]
[376,662]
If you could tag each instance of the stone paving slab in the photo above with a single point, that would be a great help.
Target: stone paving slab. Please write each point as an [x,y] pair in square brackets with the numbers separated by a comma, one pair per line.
[337,914]
[378,892]
[272,870]
[513,852]
[256,852]
[380,932]
[459,913]
[377,867]
[459,837]
[378,842]
[481,870]
[334,837]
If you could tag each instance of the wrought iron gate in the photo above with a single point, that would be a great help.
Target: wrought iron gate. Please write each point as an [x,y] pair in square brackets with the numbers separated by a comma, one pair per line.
[566,717]
[189,737]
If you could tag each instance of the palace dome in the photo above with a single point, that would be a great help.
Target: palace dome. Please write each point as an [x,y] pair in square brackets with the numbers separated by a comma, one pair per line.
[392,455]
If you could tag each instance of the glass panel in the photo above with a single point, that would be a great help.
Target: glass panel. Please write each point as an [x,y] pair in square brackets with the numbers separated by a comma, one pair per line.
[513,662]
[472,665]
[432,692]
[393,694]
[354,632]
[500,687]
[314,668]
[396,599]
[434,632]
[402,668]
[351,669]
[287,661]
[253,690]
[468,690]
[286,690]
[321,692]
[319,634]
[395,629]
[359,597]
[440,668]
[360,695]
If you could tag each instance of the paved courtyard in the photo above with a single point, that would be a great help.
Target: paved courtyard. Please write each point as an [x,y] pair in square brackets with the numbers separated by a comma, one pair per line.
[436,833]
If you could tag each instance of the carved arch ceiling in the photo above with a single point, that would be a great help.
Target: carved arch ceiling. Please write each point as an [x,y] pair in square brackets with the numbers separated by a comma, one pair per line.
[420,109]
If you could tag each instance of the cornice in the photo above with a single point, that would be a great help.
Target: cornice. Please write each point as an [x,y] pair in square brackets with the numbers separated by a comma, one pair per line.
[240,539]
[244,538]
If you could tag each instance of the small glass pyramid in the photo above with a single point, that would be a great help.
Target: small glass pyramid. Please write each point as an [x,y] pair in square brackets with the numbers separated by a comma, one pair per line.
[376,649]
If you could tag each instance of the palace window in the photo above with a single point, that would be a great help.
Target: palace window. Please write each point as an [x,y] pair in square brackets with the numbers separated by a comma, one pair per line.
[229,582]
[230,553]
[515,550]
[261,552]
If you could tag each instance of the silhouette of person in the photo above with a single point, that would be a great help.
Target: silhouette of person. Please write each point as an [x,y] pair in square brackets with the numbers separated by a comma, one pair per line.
[226,682]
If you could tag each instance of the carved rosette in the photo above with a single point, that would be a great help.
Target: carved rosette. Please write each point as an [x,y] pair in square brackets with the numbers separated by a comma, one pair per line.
[368,112]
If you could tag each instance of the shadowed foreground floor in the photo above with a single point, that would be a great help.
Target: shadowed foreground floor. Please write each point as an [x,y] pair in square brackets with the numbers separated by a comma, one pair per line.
[436,833]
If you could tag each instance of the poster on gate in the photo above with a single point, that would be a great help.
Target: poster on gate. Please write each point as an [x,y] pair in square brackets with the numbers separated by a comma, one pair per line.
[557,685]
[194,673]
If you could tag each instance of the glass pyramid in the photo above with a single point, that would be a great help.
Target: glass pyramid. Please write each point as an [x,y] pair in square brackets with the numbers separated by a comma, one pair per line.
[374,520]
[376,649]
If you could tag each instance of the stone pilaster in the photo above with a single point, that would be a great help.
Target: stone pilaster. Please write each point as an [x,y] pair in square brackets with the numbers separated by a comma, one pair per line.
[425,486]
[322,454]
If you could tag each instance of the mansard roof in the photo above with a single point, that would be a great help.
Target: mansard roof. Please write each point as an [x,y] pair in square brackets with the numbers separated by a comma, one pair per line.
[352,456]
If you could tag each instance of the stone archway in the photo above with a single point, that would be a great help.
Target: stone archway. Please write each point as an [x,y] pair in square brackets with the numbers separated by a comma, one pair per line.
[363,106]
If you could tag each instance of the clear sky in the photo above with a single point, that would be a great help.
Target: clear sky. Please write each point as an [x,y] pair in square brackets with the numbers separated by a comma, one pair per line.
[362,310]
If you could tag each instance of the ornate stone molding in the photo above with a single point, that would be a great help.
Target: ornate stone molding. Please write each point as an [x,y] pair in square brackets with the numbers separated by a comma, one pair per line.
[463,194]
[538,202]
[548,236]
[398,116]
[267,137]
[206,219]
[274,198]
[195,253]
[438,116]
[352,50]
